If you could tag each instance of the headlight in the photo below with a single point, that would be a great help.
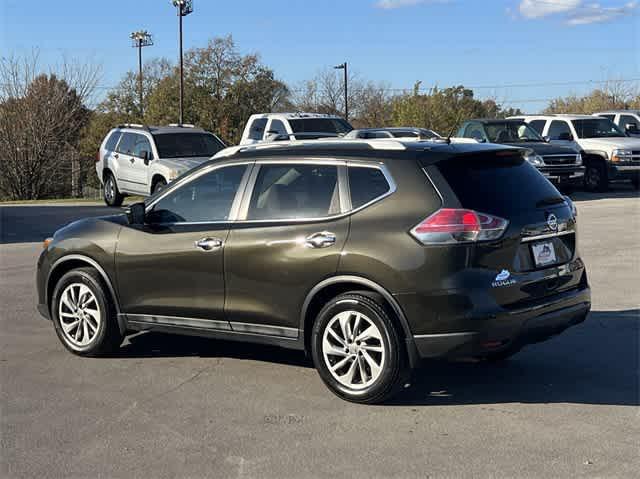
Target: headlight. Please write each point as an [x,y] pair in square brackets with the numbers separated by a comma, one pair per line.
[173,174]
[533,158]
[578,159]
[619,155]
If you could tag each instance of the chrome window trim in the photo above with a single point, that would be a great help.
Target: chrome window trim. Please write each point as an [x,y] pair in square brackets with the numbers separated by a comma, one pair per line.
[343,188]
[153,319]
[235,205]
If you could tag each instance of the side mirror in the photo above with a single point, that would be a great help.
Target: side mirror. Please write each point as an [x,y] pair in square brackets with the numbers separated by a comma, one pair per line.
[546,139]
[631,128]
[135,214]
[146,156]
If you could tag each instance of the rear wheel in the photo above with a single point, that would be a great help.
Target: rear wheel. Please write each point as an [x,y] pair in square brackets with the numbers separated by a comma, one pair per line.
[595,176]
[83,315]
[112,196]
[357,349]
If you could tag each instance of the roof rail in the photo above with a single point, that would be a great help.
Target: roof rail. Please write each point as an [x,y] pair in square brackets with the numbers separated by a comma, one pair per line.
[133,125]
[182,125]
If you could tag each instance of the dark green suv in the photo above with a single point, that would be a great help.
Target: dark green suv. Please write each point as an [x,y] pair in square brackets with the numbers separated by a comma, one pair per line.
[367,255]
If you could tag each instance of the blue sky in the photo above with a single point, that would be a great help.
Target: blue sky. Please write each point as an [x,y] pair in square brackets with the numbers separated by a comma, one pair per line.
[509,45]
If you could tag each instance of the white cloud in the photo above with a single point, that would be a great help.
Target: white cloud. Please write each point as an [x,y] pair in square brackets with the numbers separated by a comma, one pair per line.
[543,8]
[575,12]
[392,4]
[594,13]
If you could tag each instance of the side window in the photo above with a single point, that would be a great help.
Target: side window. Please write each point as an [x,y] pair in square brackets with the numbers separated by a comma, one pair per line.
[559,130]
[366,184]
[112,141]
[474,131]
[278,127]
[256,131]
[208,198]
[287,191]
[141,144]
[538,125]
[627,120]
[126,143]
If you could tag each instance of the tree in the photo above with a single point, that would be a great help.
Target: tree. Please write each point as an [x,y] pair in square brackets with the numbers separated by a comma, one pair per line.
[41,116]
[612,96]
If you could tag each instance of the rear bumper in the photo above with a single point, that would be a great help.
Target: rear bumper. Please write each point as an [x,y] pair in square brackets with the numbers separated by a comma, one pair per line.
[509,329]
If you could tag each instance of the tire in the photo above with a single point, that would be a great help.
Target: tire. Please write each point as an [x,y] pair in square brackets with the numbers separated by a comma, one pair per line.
[595,176]
[158,186]
[112,196]
[96,331]
[381,356]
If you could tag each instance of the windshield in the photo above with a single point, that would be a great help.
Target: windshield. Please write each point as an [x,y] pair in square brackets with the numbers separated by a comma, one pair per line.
[316,125]
[421,133]
[511,132]
[597,128]
[186,145]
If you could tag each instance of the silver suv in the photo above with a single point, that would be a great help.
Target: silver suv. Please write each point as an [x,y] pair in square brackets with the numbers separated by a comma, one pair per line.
[141,160]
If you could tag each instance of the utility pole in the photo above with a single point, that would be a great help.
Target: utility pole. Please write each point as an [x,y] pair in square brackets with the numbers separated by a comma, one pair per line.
[141,39]
[184,8]
[343,66]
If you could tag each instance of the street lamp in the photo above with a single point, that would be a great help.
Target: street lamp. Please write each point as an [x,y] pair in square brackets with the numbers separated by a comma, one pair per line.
[140,39]
[184,8]
[343,66]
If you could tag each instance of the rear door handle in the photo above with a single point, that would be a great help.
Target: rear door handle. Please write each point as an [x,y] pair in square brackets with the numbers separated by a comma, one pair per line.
[209,244]
[322,239]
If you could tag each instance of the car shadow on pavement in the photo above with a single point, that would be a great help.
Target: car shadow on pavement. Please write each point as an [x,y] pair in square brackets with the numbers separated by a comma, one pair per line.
[616,190]
[596,362]
[153,344]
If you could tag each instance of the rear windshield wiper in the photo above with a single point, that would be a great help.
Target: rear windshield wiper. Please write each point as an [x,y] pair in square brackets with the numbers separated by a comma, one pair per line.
[551,200]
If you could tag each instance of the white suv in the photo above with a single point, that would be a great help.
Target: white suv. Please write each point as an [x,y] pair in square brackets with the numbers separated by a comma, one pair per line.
[627,120]
[141,160]
[264,127]
[607,152]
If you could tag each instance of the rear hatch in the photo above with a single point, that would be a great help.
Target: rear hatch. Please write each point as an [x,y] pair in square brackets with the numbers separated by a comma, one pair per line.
[536,256]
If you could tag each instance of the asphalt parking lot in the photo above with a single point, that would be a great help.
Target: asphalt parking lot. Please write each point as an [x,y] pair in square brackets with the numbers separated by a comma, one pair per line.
[168,406]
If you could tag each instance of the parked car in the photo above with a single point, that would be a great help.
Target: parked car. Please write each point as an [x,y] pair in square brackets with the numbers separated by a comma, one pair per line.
[608,153]
[267,127]
[557,163]
[404,133]
[627,120]
[368,255]
[141,160]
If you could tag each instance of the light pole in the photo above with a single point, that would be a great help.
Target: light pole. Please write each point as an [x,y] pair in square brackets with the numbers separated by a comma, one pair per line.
[184,8]
[343,66]
[140,39]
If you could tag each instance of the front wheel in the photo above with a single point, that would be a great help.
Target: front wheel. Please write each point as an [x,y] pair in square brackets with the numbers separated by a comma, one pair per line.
[158,186]
[595,177]
[357,350]
[112,196]
[83,316]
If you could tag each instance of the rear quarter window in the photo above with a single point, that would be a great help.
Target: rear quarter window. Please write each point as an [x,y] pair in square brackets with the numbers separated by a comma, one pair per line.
[366,184]
[112,141]
[500,185]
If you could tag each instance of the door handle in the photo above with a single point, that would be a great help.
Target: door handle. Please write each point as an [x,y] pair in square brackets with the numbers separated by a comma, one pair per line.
[132,159]
[116,156]
[208,244]
[322,239]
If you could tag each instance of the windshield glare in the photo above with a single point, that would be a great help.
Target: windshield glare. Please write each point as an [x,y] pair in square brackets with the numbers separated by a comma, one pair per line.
[511,132]
[187,145]
[597,128]
[317,125]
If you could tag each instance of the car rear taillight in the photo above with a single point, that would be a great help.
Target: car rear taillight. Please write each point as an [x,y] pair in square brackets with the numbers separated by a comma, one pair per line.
[98,156]
[453,225]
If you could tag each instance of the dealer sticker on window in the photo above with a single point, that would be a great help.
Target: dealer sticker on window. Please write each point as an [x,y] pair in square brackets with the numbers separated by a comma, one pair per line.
[543,253]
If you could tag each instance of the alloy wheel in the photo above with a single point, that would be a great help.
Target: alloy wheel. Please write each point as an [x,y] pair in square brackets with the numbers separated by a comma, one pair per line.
[593,177]
[79,314]
[353,349]
[110,190]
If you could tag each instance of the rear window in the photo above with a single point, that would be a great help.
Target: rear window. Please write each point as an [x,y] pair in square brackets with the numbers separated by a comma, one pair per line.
[185,145]
[317,125]
[500,185]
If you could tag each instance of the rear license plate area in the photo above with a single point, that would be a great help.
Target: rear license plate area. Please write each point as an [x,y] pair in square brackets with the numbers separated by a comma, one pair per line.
[544,253]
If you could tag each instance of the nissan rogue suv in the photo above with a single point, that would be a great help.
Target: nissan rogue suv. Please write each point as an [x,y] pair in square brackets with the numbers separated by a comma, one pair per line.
[141,160]
[367,255]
